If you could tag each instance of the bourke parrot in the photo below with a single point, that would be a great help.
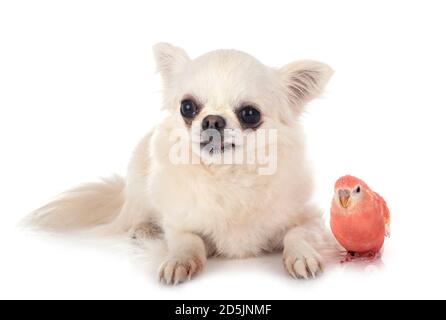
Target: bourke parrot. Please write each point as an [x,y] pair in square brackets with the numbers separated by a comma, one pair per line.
[360,218]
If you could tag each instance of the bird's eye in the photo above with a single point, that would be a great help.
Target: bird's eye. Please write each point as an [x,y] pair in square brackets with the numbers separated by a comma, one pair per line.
[188,109]
[249,116]
[358,189]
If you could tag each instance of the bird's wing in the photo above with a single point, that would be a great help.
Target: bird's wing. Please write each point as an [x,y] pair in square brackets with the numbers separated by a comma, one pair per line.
[385,211]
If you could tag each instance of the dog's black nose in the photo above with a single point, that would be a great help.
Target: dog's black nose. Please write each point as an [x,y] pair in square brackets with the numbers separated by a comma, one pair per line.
[213,122]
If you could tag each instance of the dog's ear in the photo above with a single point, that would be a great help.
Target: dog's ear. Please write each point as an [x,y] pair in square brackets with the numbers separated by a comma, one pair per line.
[169,59]
[304,80]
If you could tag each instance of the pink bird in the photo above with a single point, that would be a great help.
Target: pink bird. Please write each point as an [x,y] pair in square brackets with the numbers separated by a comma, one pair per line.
[359,218]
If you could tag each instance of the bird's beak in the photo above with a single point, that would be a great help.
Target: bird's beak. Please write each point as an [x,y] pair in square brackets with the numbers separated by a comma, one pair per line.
[344,197]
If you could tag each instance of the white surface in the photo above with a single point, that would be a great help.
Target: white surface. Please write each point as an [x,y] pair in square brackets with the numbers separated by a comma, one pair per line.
[77,91]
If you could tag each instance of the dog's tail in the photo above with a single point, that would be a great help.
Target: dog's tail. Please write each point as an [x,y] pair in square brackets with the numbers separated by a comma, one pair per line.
[88,205]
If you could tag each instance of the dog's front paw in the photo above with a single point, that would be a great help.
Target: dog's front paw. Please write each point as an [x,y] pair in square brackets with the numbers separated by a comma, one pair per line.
[302,263]
[176,270]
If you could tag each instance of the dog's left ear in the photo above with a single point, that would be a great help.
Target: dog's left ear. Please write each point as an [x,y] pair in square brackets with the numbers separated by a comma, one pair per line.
[304,80]
[169,60]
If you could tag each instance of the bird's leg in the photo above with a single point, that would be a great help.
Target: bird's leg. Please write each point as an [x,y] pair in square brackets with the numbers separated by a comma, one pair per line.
[350,256]
[368,256]
[371,256]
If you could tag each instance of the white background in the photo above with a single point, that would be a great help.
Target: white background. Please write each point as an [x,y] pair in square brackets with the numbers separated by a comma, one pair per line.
[78,89]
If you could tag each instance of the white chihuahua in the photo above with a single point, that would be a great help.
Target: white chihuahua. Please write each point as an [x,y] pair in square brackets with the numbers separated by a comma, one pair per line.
[201,204]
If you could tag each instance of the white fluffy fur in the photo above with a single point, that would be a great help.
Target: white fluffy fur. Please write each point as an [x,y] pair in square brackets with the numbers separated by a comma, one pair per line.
[225,209]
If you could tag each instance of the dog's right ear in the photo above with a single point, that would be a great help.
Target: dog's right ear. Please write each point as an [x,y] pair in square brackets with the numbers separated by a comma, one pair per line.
[169,59]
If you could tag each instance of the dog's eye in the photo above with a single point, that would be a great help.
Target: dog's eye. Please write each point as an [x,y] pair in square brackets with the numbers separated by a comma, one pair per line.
[188,109]
[249,116]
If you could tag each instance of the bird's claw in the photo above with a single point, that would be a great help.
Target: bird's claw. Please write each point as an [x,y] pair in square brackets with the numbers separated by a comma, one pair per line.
[369,256]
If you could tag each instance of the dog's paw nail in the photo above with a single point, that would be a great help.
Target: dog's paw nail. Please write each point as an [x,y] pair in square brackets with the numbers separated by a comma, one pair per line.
[302,267]
[313,266]
[176,271]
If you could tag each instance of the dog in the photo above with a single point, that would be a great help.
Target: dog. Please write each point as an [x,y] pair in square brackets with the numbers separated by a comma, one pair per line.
[179,185]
